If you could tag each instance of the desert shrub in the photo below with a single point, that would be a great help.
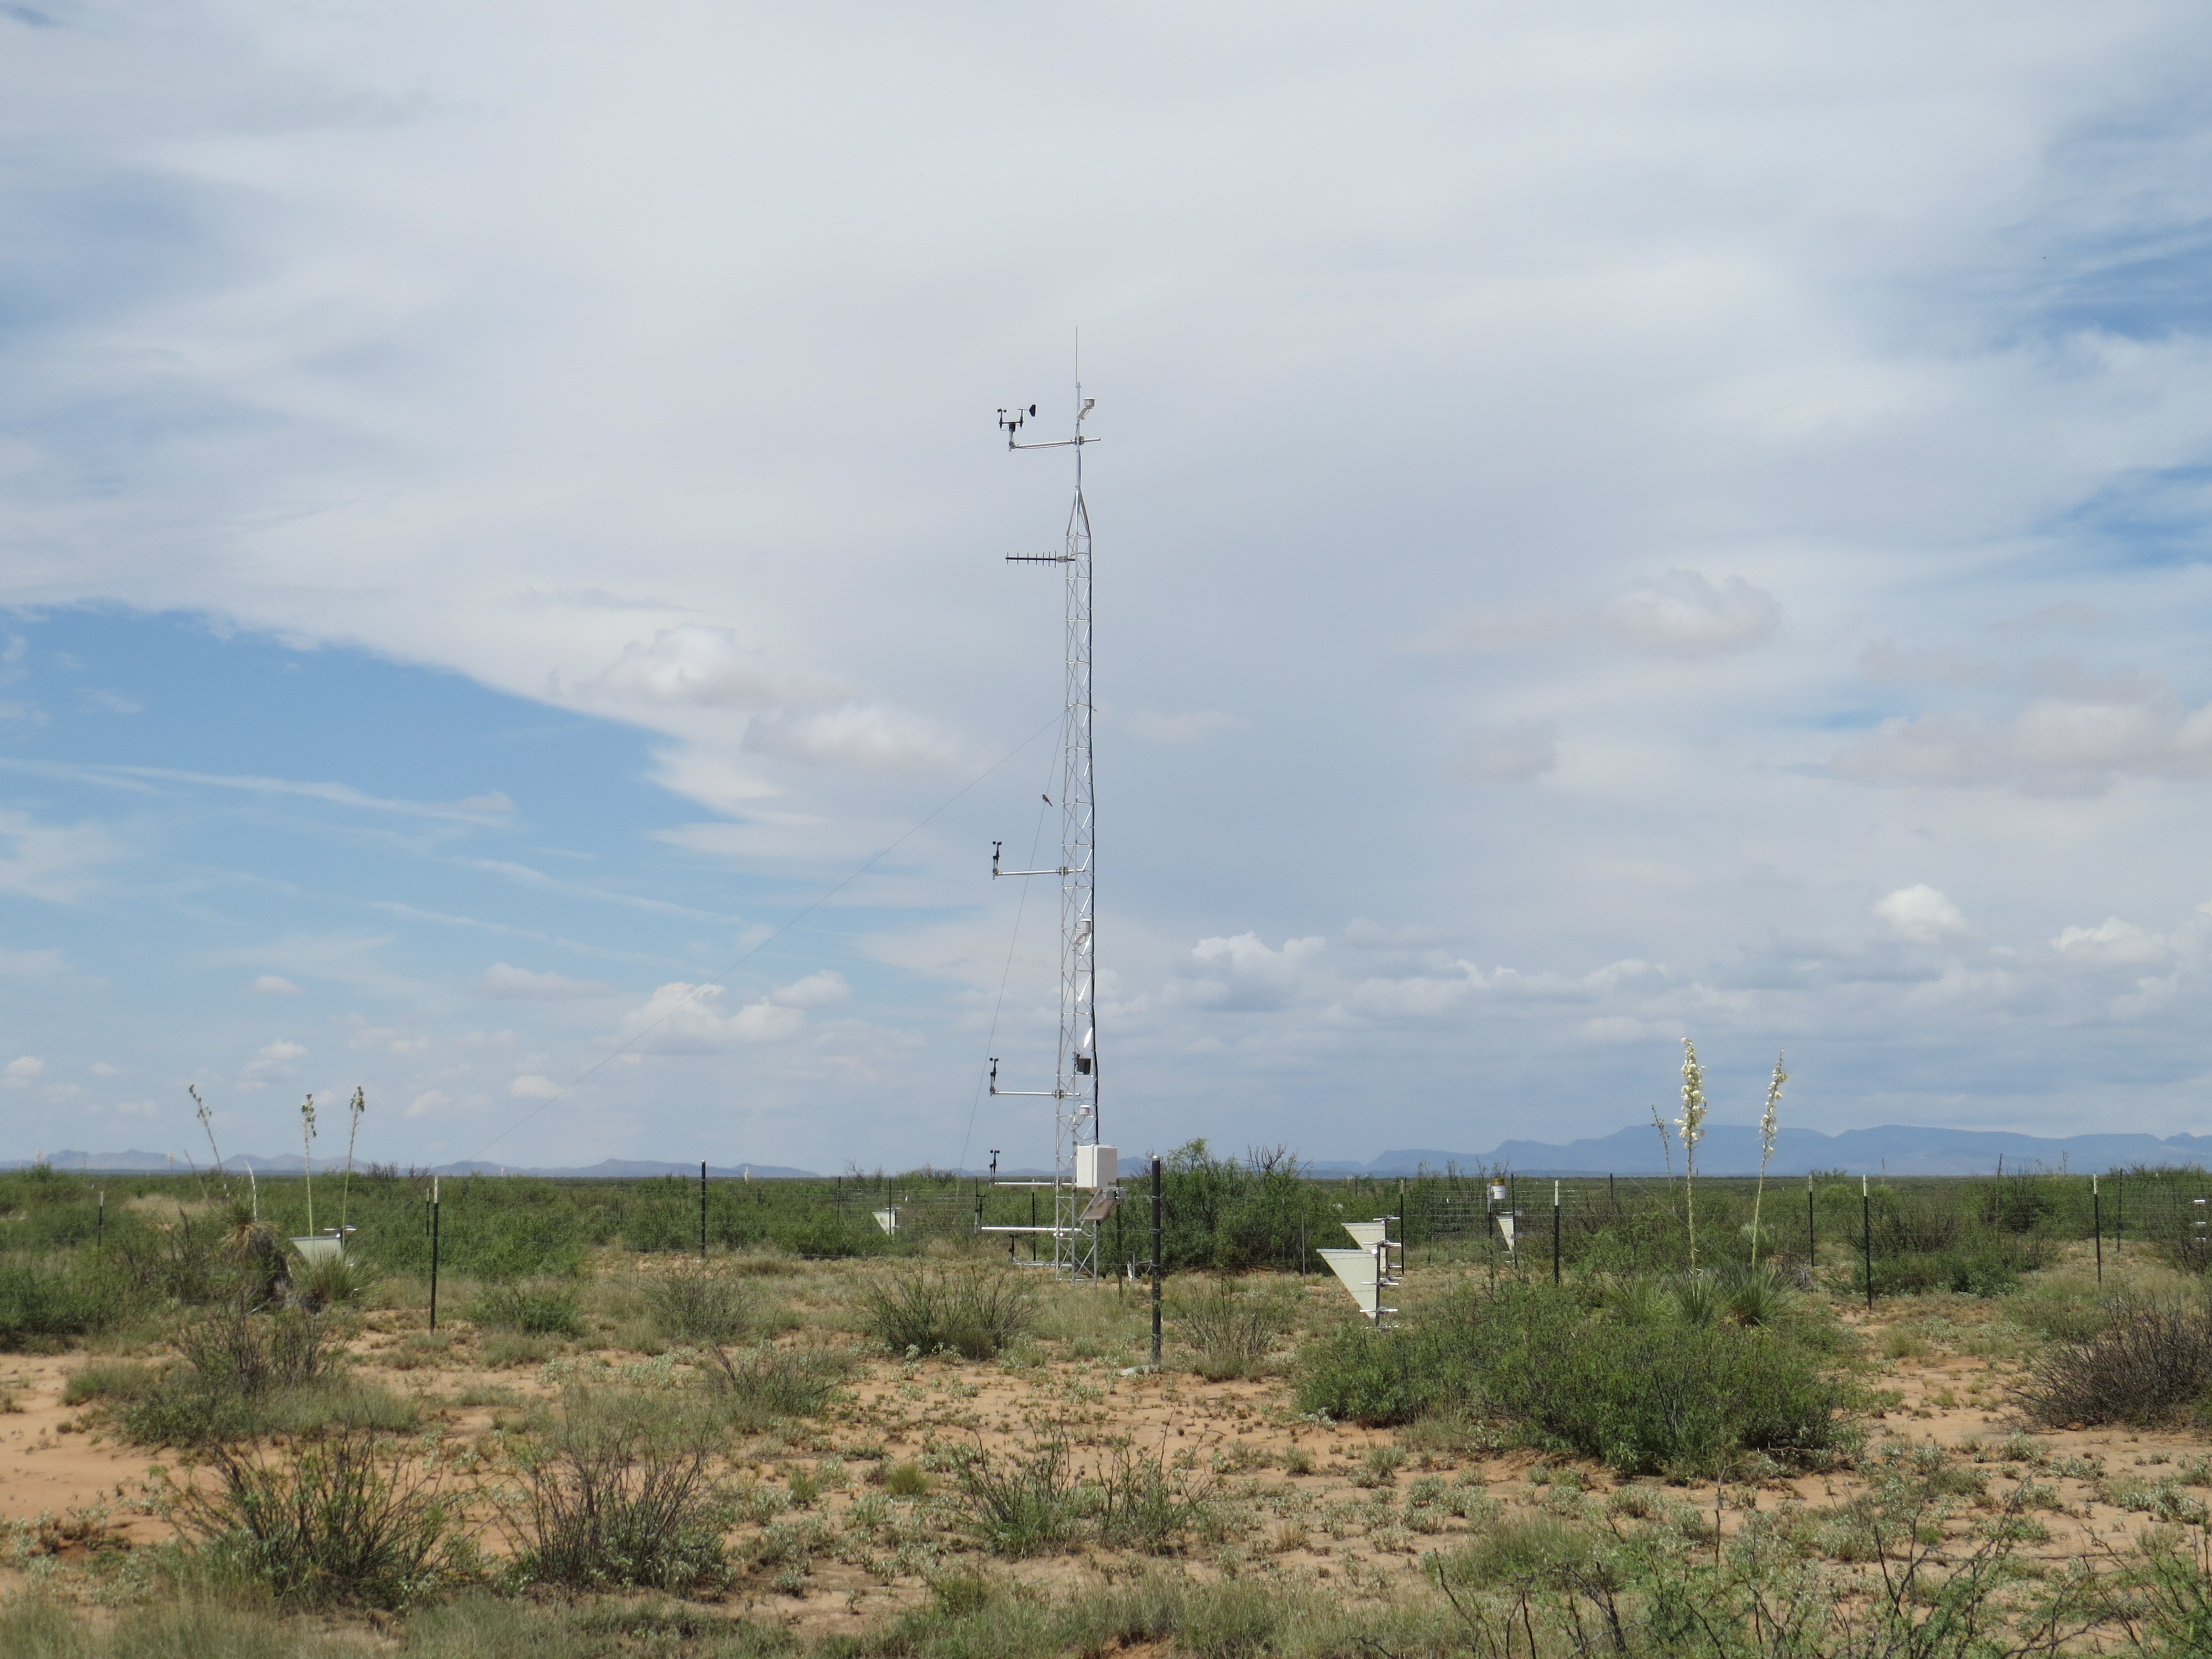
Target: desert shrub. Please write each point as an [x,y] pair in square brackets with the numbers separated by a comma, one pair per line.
[763,1383]
[1140,1501]
[618,1490]
[1642,1395]
[906,1479]
[700,1307]
[503,1350]
[108,1379]
[1231,1327]
[331,1281]
[342,1518]
[533,1308]
[42,1307]
[247,1352]
[2150,1363]
[1024,1503]
[972,1311]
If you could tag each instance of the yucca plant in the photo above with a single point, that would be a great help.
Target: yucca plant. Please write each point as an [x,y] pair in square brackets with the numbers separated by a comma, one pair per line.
[1767,1121]
[1692,1124]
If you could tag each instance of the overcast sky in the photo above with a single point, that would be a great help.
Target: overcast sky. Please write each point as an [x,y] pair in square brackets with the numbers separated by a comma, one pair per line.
[1614,523]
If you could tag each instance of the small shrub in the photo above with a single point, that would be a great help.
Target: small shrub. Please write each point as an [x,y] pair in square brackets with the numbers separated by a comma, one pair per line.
[2149,1364]
[762,1384]
[539,1308]
[504,1350]
[1141,1502]
[700,1307]
[1023,1503]
[1231,1328]
[906,1479]
[1379,1465]
[618,1491]
[108,1380]
[337,1518]
[238,1350]
[330,1281]
[42,1309]
[973,1311]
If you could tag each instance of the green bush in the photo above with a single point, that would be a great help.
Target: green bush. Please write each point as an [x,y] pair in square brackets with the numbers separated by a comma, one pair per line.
[1643,1394]
[534,1307]
[974,1312]
[618,1490]
[337,1518]
[43,1307]
[1231,1328]
[763,1383]
[700,1307]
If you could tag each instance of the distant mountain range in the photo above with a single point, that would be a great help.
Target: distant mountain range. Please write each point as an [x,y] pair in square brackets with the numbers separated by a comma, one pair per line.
[1727,1149]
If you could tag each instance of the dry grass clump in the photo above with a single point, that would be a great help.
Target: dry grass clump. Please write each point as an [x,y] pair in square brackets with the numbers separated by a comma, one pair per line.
[974,1311]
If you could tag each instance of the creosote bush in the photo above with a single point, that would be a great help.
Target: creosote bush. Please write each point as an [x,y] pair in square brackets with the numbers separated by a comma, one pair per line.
[1685,1392]
[339,1517]
[2151,1363]
[1231,1327]
[762,1384]
[972,1311]
[699,1306]
[618,1490]
[530,1307]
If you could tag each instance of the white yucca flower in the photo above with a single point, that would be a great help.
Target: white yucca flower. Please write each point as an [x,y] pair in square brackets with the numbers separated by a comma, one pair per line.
[1768,1121]
[1692,1121]
[1692,1124]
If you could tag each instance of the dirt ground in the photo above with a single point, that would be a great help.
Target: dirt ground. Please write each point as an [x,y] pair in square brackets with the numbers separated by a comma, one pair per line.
[1315,1505]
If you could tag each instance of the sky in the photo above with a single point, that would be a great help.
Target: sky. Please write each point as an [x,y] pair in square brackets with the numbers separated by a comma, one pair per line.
[1611,525]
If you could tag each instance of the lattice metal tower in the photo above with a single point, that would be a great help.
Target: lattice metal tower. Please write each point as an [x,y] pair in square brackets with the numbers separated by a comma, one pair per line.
[1074,1093]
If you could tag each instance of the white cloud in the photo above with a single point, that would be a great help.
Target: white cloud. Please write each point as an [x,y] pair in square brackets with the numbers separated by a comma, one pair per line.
[428,1103]
[31,965]
[275,985]
[494,801]
[680,1018]
[1510,753]
[52,861]
[864,737]
[275,1059]
[1684,613]
[702,667]
[824,988]
[533,1086]
[503,981]
[101,1068]
[1921,915]
[2078,741]
[2112,944]
[24,1069]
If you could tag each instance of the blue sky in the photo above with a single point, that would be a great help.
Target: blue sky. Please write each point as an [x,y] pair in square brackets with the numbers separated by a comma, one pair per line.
[1610,527]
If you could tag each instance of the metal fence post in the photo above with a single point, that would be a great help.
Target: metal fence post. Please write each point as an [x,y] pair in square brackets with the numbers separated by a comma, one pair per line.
[1156,1264]
[1866,1237]
[2097,1227]
[433,1253]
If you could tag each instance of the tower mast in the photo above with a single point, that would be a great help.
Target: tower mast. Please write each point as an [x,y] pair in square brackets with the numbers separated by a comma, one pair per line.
[1074,1093]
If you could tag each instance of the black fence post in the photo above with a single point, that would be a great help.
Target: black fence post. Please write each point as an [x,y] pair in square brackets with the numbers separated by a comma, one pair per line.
[703,1211]
[433,1253]
[2097,1227]
[1156,1267]
[1866,1237]
[1555,1232]
[1809,1257]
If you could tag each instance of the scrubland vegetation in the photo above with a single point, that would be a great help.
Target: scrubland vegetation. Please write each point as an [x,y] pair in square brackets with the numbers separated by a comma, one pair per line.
[826,1439]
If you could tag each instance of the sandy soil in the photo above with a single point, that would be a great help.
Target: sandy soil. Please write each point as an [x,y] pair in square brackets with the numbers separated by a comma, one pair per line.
[55,1463]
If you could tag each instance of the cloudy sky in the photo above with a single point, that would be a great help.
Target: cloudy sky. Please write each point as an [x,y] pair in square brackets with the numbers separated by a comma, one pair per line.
[1614,524]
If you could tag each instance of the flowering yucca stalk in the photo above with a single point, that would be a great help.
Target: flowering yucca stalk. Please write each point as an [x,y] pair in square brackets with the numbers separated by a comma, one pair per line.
[307,1152]
[207,1125]
[1692,1124]
[354,1109]
[1767,1120]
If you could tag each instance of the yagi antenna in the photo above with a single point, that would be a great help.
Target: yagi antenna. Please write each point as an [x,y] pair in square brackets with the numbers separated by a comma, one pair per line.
[1081,1166]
